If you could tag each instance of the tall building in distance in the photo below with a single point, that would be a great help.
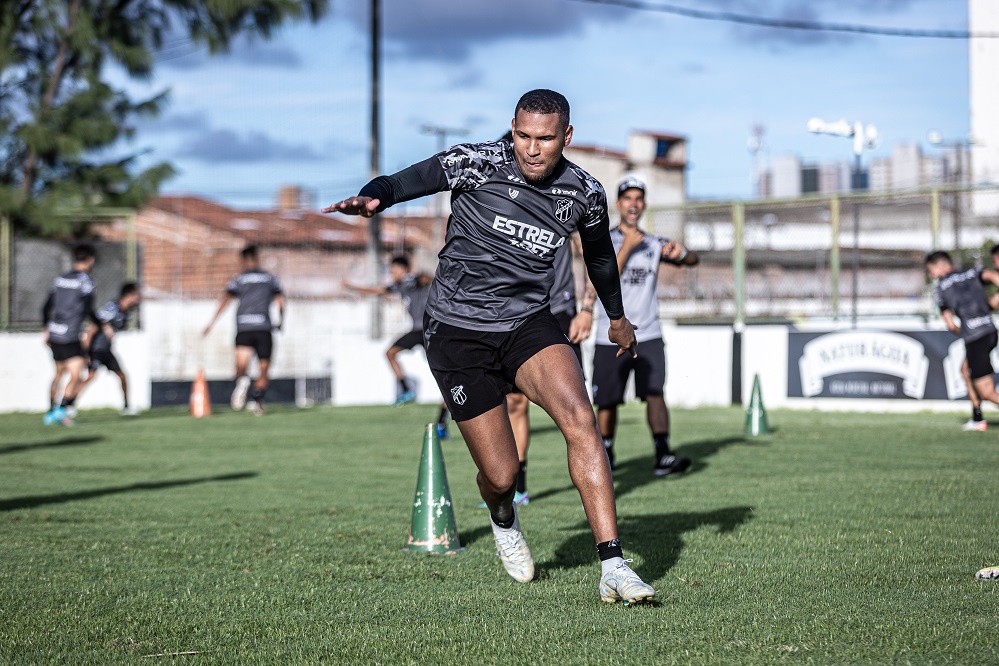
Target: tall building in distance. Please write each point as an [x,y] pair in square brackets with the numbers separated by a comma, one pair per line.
[907,167]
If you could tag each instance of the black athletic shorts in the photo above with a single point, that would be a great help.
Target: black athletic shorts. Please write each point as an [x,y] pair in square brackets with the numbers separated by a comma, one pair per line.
[261,341]
[564,319]
[410,340]
[610,374]
[106,358]
[66,350]
[978,351]
[476,369]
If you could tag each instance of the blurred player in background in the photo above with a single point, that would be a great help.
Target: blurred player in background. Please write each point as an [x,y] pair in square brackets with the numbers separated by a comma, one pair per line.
[70,301]
[977,422]
[413,289]
[114,315]
[488,324]
[639,256]
[254,288]
[961,293]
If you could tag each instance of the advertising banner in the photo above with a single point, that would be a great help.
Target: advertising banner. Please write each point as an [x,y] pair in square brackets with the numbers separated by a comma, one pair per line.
[871,363]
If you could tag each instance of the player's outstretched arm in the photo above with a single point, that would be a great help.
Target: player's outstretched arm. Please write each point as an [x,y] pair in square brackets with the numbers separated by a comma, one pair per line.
[222,303]
[420,179]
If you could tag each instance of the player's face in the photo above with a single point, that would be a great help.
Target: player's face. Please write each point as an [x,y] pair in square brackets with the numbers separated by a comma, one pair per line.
[938,269]
[538,141]
[631,205]
[397,272]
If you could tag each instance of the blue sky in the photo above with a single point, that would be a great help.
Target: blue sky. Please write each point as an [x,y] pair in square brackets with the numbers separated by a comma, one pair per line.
[294,110]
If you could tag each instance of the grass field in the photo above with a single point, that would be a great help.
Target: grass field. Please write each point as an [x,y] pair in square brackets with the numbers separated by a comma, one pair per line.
[840,538]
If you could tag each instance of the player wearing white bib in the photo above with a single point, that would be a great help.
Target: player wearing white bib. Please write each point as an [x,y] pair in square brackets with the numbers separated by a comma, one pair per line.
[639,256]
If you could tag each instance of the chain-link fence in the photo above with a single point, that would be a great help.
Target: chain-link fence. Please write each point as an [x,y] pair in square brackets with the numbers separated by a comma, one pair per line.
[834,257]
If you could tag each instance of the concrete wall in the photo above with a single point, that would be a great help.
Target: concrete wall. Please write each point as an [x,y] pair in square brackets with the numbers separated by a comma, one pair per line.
[331,340]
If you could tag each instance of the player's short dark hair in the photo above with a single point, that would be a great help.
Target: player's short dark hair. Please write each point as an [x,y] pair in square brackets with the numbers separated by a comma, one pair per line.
[84,251]
[544,101]
[937,257]
[249,252]
[995,250]
[128,288]
[401,260]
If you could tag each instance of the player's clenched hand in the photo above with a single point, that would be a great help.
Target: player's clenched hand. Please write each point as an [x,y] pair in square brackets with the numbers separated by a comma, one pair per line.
[672,250]
[622,333]
[363,206]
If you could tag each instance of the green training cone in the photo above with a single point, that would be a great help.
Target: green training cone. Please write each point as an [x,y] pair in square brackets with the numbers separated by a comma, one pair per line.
[432,529]
[756,414]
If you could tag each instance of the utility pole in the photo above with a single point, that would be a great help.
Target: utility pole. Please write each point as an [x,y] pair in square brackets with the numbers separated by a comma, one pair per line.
[441,133]
[374,222]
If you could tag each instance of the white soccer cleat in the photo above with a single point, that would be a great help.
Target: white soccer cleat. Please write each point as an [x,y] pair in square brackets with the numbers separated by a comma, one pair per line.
[971,425]
[623,584]
[238,399]
[129,411]
[988,573]
[255,408]
[513,551]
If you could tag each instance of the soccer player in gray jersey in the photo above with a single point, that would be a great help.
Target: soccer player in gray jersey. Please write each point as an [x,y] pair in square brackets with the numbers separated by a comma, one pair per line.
[70,301]
[413,289]
[113,314]
[255,288]
[639,256]
[962,294]
[488,324]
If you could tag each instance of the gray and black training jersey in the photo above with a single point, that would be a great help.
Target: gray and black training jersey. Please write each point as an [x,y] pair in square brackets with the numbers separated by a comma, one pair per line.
[112,315]
[414,297]
[962,293]
[70,300]
[563,293]
[495,269]
[255,289]
[639,288]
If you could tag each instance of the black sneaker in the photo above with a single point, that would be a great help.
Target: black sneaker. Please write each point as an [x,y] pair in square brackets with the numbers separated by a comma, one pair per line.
[670,464]
[610,457]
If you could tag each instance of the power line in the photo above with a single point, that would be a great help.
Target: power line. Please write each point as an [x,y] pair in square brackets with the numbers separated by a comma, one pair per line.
[793,24]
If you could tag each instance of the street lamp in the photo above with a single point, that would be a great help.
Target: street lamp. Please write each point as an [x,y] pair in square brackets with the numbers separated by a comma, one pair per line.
[936,139]
[864,136]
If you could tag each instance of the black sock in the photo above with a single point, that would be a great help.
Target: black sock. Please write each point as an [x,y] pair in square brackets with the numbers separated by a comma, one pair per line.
[609,549]
[257,395]
[522,477]
[443,416]
[404,385]
[505,524]
[68,402]
[976,414]
[661,442]
[608,442]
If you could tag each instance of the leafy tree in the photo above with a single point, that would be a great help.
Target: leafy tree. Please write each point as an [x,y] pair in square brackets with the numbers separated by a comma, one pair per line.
[59,117]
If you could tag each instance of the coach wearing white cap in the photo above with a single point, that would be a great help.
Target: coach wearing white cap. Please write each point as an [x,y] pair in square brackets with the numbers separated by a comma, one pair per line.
[639,256]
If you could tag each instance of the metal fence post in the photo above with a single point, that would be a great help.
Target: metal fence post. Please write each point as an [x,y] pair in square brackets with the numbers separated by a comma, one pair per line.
[131,251]
[6,271]
[935,218]
[739,264]
[834,264]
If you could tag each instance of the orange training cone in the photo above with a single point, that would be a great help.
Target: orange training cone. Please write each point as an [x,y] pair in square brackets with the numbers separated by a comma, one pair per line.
[201,403]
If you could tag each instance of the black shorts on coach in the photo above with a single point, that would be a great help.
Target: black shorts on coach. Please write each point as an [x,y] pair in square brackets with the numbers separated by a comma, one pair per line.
[476,369]
[610,372]
[978,352]
[261,341]
[66,350]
